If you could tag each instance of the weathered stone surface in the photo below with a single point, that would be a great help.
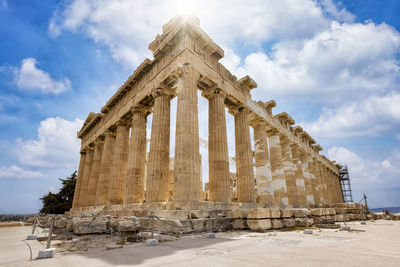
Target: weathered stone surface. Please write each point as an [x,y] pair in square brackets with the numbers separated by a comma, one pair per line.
[300,213]
[287,213]
[60,222]
[288,223]
[259,225]
[127,225]
[259,213]
[275,213]
[276,223]
[301,222]
[238,213]
[88,225]
[240,224]
[317,212]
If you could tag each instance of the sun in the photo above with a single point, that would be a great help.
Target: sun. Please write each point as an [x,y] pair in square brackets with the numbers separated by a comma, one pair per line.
[186,7]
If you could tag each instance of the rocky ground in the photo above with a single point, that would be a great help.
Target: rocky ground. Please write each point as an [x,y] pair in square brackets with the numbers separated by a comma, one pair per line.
[374,244]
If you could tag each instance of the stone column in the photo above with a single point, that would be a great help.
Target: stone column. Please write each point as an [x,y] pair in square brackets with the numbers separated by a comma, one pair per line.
[244,157]
[339,194]
[308,178]
[136,157]
[334,187]
[289,170]
[94,173]
[218,158]
[329,196]
[158,165]
[116,190]
[278,174]
[85,178]
[300,184]
[314,179]
[105,169]
[187,161]
[265,192]
[322,187]
[75,201]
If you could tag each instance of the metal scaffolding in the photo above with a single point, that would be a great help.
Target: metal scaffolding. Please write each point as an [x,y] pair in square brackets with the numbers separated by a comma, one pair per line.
[345,183]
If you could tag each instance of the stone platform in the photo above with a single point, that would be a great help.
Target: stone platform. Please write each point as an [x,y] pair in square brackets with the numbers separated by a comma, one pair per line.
[222,216]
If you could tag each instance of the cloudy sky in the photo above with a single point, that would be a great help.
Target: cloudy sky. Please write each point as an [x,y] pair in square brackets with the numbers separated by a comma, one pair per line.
[332,65]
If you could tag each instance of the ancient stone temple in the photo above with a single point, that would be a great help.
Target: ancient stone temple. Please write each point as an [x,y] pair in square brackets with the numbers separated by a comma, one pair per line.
[117,171]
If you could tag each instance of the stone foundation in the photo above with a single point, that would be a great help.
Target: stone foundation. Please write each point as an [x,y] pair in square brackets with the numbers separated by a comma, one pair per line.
[235,216]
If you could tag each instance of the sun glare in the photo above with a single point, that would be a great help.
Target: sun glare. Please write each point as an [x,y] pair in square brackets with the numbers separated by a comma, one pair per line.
[185,7]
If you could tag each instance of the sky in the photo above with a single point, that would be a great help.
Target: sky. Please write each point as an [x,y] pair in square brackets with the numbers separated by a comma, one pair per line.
[332,65]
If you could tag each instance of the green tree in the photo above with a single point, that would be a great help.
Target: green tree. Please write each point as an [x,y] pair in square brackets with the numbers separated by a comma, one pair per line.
[62,201]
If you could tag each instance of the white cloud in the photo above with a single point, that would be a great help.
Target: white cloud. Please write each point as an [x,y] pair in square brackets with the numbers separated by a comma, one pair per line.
[15,172]
[345,62]
[370,117]
[339,14]
[127,27]
[366,173]
[56,146]
[30,78]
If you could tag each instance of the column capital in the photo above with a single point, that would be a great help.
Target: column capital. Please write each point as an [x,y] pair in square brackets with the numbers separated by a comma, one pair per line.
[122,122]
[258,122]
[161,91]
[239,109]
[98,141]
[213,91]
[110,133]
[140,109]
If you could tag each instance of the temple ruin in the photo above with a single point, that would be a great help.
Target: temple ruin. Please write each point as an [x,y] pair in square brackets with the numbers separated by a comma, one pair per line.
[117,173]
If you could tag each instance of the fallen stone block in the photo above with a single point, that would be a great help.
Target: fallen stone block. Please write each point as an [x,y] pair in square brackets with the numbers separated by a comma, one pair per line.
[127,225]
[259,225]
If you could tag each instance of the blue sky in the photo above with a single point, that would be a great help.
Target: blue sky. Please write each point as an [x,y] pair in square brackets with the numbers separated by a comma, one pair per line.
[333,66]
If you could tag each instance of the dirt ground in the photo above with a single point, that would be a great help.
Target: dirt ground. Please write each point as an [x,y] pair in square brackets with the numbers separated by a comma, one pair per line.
[374,244]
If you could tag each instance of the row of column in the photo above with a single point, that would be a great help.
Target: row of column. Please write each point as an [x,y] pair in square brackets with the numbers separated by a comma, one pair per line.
[112,170]
[287,175]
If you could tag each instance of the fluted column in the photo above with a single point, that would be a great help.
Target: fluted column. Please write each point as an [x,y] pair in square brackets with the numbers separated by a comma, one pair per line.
[218,158]
[187,157]
[278,173]
[322,187]
[94,173]
[244,157]
[265,191]
[77,192]
[105,169]
[289,170]
[136,157]
[116,190]
[308,178]
[85,178]
[314,179]
[158,166]
[300,184]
